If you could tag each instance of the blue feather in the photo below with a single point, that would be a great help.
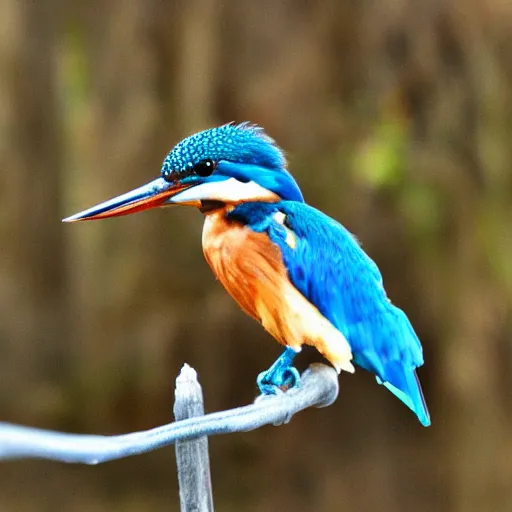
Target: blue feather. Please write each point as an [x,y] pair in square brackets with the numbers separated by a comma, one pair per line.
[280,182]
[244,152]
[243,143]
[329,267]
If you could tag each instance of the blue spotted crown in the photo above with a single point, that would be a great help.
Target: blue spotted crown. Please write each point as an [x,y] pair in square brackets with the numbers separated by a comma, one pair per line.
[242,143]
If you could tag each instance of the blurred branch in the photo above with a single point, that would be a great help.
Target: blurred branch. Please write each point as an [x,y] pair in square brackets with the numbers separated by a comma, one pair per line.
[318,388]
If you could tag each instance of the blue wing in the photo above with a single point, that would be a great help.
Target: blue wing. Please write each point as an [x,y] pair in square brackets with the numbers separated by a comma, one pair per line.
[328,266]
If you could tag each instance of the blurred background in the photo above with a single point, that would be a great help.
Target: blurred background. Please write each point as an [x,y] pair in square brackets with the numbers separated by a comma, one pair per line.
[396,117]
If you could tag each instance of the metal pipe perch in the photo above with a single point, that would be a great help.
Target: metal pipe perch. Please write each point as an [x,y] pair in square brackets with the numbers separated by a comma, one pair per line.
[318,388]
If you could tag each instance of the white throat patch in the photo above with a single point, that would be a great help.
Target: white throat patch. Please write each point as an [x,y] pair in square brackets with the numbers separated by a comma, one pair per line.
[230,191]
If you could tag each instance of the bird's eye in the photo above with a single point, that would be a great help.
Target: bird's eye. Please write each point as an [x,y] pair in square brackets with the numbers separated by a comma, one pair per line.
[205,168]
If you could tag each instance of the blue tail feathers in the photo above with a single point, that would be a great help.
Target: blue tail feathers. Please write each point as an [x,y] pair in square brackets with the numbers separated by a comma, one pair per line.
[405,385]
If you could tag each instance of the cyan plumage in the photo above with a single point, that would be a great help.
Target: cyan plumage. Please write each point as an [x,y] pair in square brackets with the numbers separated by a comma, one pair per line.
[329,267]
[291,267]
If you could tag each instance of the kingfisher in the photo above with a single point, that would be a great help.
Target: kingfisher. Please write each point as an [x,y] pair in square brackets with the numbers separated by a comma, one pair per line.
[298,272]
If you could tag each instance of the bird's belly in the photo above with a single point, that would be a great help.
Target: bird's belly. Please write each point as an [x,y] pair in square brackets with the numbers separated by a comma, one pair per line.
[251,269]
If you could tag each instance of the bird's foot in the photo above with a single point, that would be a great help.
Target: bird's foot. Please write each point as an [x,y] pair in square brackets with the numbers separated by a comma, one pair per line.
[276,382]
[280,376]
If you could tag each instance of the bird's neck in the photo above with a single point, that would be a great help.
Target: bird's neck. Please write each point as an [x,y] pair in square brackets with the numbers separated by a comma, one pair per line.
[207,207]
[212,206]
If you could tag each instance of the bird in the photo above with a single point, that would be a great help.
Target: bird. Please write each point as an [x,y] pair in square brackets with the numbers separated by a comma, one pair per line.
[298,272]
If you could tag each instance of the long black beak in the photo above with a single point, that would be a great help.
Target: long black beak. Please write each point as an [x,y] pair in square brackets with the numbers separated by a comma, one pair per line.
[152,195]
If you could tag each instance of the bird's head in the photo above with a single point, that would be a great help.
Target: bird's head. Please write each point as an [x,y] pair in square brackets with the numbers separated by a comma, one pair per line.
[231,164]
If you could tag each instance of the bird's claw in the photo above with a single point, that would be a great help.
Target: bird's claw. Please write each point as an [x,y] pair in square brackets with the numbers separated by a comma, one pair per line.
[275,382]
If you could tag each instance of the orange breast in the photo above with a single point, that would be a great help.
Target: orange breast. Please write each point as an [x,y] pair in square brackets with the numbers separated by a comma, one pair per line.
[251,269]
[248,264]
